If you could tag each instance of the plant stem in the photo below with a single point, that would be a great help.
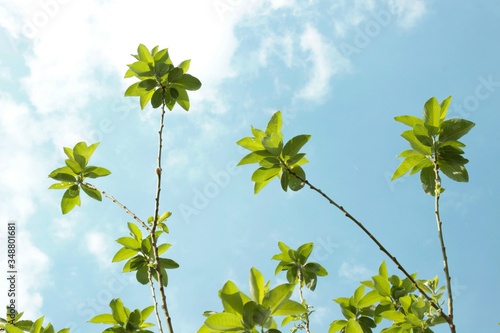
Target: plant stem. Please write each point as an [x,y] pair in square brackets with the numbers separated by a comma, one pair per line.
[118,203]
[382,248]
[155,221]
[443,248]
[155,303]
[306,322]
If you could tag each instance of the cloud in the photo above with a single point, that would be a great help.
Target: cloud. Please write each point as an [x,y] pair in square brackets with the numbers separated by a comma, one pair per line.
[325,61]
[407,11]
[354,273]
[99,244]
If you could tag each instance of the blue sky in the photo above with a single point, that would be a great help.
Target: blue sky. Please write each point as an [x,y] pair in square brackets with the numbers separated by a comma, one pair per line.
[340,71]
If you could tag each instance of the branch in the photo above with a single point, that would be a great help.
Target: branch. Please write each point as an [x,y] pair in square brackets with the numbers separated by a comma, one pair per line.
[443,248]
[150,278]
[306,322]
[155,221]
[382,248]
[118,203]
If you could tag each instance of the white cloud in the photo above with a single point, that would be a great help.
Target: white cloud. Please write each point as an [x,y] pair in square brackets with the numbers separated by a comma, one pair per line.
[354,272]
[407,11]
[325,61]
[99,244]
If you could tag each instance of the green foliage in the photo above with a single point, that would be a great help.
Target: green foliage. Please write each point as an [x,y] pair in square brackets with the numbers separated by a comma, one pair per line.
[244,313]
[21,326]
[434,146]
[123,320]
[160,82]
[295,262]
[141,253]
[275,160]
[393,299]
[72,176]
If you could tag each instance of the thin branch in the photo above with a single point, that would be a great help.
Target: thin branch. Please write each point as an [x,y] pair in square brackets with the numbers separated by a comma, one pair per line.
[306,322]
[155,221]
[119,204]
[443,248]
[382,248]
[150,278]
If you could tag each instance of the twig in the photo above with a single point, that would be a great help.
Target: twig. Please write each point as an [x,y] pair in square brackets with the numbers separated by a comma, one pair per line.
[155,221]
[382,248]
[118,203]
[443,248]
[306,322]
[150,278]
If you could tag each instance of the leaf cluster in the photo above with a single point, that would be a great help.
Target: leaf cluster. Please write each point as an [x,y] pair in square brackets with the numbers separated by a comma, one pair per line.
[274,158]
[393,299]
[435,145]
[294,262]
[20,326]
[244,313]
[160,82]
[141,253]
[72,176]
[123,320]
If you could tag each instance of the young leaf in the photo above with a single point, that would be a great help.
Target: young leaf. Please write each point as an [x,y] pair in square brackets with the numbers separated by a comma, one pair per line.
[95,172]
[255,157]
[124,253]
[422,135]
[145,98]
[118,311]
[454,129]
[188,82]
[444,108]
[428,179]
[295,183]
[141,69]
[70,199]
[275,124]
[94,194]
[408,163]
[144,55]
[60,186]
[64,174]
[135,231]
[224,322]
[105,318]
[409,120]
[454,170]
[185,65]
[183,98]
[415,143]
[432,114]
[294,145]
[157,98]
[256,286]
[265,174]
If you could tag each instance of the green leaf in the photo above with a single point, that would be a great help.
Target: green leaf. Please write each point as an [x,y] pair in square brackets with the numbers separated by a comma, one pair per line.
[94,194]
[290,308]
[145,98]
[337,325]
[163,247]
[175,74]
[393,315]
[225,322]
[428,179]
[134,263]
[255,314]
[251,144]
[129,73]
[275,124]
[143,53]
[135,231]
[273,143]
[168,263]
[154,50]
[157,98]
[256,286]
[294,145]
[185,65]
[142,275]
[409,120]
[381,284]
[255,157]
[64,174]
[135,90]
[232,299]
[70,199]
[260,185]
[284,180]
[95,172]
[420,165]
[124,253]
[12,329]
[105,318]
[382,270]
[162,56]
[75,167]
[407,164]
[270,162]
[60,186]
[453,170]
[161,69]
[444,108]
[129,243]
[295,183]
[358,294]
[371,297]
[48,329]
[278,296]
[432,114]
[146,312]
[148,84]
[37,326]
[141,69]
[265,174]
[303,252]
[188,82]
[118,311]
[315,268]
[422,135]
[183,98]
[454,129]
[353,326]
[415,143]
[173,92]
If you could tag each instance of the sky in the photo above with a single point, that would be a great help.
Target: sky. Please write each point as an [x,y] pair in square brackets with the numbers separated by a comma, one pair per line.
[338,70]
